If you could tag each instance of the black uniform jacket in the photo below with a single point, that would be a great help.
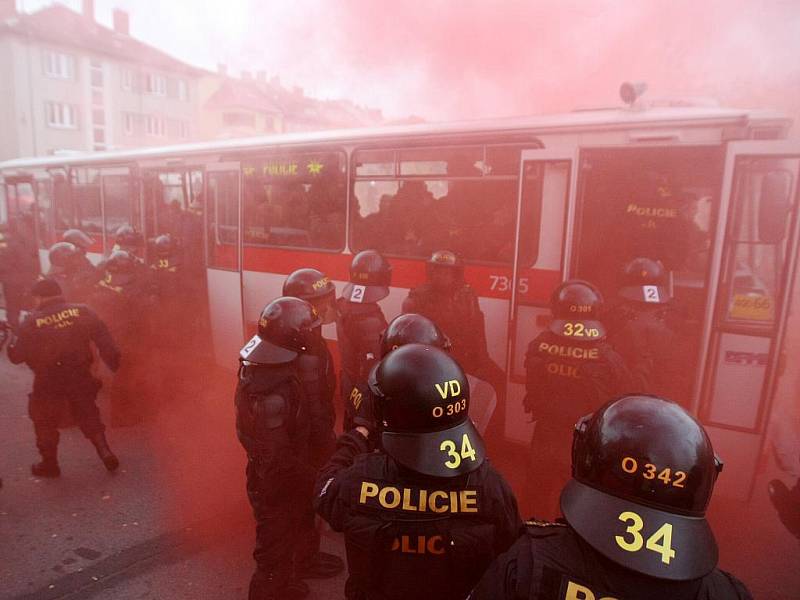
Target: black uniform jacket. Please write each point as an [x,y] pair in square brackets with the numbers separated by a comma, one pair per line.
[55,341]
[411,536]
[551,562]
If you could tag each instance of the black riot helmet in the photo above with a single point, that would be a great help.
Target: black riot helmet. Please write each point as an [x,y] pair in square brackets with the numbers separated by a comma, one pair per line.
[163,245]
[643,469]
[62,254]
[126,237]
[412,328]
[315,287]
[120,262]
[370,278]
[286,327]
[576,307]
[644,280]
[422,397]
[77,237]
[444,270]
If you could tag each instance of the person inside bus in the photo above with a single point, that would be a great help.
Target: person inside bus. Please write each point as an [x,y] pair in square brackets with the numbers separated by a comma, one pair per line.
[19,265]
[571,369]
[450,302]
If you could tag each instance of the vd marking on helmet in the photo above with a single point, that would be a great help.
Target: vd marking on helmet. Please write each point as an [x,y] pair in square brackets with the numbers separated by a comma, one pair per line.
[450,388]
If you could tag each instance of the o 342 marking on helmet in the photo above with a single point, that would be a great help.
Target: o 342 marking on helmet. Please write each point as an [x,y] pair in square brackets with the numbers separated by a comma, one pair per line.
[450,409]
[649,471]
[357,295]
[660,542]
[456,458]
[651,293]
[580,330]
[249,347]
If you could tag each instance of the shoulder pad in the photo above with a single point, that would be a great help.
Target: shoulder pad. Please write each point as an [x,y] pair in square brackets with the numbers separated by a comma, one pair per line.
[535,523]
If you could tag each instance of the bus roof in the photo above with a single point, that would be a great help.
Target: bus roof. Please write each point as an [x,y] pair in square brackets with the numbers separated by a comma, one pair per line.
[588,120]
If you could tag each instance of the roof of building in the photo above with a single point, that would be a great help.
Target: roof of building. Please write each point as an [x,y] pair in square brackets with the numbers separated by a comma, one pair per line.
[62,26]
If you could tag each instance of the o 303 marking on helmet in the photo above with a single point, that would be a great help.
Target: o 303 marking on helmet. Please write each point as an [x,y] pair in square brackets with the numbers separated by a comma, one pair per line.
[467,451]
[580,330]
[660,542]
[250,346]
[357,295]
[650,471]
[450,409]
[651,293]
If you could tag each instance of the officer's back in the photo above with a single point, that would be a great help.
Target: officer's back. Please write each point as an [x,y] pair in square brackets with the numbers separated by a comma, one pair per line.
[425,515]
[635,527]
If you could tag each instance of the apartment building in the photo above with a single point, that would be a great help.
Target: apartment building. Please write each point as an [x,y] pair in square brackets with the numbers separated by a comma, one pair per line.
[69,83]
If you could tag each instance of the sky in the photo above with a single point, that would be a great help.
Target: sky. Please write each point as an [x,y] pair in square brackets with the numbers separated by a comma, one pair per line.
[462,59]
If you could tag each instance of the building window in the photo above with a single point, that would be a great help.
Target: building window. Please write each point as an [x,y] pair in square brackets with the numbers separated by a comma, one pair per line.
[61,116]
[129,123]
[154,126]
[183,90]
[58,65]
[127,79]
[97,74]
[99,136]
[156,85]
[183,129]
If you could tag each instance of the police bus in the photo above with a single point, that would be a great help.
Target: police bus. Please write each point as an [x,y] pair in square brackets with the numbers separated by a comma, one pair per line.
[526,202]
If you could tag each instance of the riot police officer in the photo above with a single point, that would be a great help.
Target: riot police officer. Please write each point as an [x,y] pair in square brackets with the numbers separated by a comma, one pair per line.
[314,287]
[409,328]
[128,239]
[425,515]
[360,322]
[19,265]
[317,372]
[73,271]
[643,471]
[123,298]
[273,423]
[451,303]
[55,341]
[79,239]
[570,370]
[643,329]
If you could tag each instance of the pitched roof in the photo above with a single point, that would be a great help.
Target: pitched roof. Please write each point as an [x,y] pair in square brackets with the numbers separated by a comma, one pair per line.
[236,93]
[59,25]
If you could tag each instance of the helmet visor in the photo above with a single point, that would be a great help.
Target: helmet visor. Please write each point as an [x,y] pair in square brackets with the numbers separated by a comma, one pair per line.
[646,540]
[650,294]
[446,453]
[354,292]
[259,350]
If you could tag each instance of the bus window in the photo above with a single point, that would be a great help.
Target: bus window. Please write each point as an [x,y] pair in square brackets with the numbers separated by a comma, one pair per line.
[295,201]
[757,254]
[44,201]
[88,213]
[443,198]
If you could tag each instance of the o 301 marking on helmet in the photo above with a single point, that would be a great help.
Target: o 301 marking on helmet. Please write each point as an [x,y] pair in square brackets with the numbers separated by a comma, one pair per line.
[651,293]
[250,346]
[357,295]
[653,543]
[580,330]
[467,451]
[650,471]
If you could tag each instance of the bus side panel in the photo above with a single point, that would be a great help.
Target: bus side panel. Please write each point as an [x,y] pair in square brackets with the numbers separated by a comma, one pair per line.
[224,301]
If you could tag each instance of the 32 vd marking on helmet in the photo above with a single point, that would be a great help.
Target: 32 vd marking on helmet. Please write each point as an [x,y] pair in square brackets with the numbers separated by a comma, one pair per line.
[580,330]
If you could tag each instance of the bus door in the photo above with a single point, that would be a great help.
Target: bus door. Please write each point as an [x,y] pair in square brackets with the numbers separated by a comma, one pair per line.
[746,339]
[224,260]
[21,206]
[547,182]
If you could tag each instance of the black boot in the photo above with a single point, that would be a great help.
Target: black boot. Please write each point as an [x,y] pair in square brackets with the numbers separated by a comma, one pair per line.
[48,466]
[104,452]
[267,585]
